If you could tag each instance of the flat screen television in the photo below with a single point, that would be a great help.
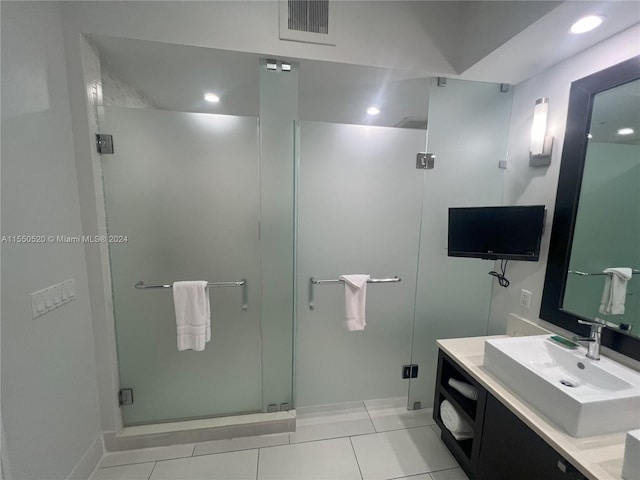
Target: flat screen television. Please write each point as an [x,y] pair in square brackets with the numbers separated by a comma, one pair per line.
[496,233]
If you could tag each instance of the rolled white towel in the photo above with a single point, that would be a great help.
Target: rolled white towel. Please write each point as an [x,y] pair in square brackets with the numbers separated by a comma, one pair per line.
[457,425]
[464,388]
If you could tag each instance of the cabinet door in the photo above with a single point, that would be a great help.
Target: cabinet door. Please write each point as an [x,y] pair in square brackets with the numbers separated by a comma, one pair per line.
[511,450]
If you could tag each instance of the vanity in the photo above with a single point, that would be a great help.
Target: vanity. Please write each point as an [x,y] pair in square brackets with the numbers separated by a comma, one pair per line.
[536,410]
[512,439]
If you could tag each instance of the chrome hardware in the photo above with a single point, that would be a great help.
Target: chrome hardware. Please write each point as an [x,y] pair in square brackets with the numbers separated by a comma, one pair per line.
[594,338]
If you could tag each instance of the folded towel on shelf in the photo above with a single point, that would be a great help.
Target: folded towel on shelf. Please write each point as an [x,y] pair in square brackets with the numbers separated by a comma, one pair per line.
[454,422]
[615,290]
[464,388]
[193,316]
[355,298]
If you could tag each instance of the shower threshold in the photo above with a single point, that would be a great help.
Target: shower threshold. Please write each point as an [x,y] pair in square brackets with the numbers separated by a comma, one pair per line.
[191,431]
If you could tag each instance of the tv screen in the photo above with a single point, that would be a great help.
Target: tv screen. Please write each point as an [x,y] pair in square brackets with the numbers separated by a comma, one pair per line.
[492,233]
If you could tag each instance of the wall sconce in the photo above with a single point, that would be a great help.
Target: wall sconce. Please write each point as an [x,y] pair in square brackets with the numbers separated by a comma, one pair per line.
[541,143]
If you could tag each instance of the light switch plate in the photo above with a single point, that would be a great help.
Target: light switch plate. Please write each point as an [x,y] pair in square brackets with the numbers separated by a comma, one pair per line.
[52,297]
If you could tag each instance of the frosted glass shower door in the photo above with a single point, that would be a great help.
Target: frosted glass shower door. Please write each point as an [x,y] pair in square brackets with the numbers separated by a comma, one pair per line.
[359,204]
[184,189]
[468,127]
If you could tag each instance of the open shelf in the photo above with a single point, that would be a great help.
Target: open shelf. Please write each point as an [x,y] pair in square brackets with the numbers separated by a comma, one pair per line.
[466,452]
[465,406]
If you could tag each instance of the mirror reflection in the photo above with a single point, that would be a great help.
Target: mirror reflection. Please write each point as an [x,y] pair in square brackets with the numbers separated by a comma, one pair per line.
[605,255]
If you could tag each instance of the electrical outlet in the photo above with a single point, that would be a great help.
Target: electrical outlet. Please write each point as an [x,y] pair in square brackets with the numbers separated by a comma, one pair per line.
[525,299]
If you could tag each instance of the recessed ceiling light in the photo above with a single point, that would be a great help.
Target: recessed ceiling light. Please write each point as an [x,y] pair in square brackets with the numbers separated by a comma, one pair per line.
[625,131]
[373,111]
[211,97]
[586,24]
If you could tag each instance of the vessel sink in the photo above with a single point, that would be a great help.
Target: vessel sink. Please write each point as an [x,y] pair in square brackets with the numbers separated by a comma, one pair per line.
[585,397]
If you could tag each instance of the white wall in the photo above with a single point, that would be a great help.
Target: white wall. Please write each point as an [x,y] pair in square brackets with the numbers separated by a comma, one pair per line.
[49,393]
[528,186]
[379,33]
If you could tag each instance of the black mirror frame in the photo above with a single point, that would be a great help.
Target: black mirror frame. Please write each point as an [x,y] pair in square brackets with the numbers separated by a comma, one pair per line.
[574,149]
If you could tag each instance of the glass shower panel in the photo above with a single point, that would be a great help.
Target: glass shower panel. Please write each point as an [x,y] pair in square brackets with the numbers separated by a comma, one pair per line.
[359,204]
[184,189]
[468,126]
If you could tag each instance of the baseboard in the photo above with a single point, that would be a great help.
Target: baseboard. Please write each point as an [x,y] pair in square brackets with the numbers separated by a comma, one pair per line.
[89,461]
[192,431]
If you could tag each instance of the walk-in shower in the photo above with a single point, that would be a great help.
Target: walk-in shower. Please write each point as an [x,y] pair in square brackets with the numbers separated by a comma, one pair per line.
[286,179]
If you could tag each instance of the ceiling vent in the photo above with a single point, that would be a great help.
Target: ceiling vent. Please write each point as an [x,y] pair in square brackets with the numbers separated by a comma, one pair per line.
[309,21]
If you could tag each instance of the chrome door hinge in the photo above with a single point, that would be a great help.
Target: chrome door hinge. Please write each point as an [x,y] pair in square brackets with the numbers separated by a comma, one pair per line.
[104,143]
[425,161]
[125,396]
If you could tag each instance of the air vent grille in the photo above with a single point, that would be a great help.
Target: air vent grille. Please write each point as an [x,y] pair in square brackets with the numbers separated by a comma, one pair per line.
[308,16]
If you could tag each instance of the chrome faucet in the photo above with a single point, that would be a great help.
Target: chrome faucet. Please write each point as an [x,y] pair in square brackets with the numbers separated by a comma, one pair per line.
[594,338]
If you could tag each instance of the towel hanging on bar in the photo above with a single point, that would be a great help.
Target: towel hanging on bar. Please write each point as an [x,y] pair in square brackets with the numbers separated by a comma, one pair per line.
[241,283]
[314,281]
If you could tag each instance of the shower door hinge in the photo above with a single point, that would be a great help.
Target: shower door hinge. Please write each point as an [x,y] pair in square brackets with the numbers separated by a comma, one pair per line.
[410,371]
[125,396]
[104,143]
[425,161]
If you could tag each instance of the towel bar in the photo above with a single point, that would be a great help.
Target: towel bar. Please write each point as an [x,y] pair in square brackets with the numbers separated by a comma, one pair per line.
[142,285]
[315,281]
[587,274]
[242,283]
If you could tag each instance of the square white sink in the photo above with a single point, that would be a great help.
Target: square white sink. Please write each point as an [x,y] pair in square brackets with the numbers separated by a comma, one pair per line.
[585,397]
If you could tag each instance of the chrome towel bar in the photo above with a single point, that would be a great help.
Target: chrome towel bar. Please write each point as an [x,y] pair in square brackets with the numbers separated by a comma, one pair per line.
[141,285]
[635,271]
[241,283]
[315,281]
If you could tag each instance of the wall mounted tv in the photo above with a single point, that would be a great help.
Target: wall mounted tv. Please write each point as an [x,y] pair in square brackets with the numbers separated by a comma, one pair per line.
[496,233]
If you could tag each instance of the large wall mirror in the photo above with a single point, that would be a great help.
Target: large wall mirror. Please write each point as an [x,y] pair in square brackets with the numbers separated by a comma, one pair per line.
[596,224]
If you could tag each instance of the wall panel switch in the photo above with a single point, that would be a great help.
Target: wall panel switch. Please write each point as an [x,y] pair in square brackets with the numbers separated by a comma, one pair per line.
[48,298]
[56,291]
[52,297]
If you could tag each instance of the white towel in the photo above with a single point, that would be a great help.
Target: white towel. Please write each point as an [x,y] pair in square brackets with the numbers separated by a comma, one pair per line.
[464,388]
[355,299]
[457,425]
[615,290]
[193,316]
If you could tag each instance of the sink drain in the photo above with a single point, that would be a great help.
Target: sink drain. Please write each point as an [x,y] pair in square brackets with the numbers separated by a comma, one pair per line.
[568,383]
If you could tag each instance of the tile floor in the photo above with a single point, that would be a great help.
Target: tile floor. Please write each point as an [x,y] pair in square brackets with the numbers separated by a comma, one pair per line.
[376,439]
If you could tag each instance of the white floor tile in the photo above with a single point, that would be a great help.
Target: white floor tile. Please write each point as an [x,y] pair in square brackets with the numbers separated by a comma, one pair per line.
[401,453]
[326,459]
[424,476]
[331,421]
[241,443]
[140,471]
[146,455]
[392,414]
[222,466]
[436,430]
[455,474]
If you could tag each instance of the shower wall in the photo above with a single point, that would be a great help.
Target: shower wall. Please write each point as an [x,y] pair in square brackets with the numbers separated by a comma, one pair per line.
[365,208]
[183,188]
[360,206]
[358,212]
[468,127]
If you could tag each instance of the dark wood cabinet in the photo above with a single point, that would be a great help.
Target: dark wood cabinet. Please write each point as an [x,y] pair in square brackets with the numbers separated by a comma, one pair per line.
[503,447]
[510,449]
[465,451]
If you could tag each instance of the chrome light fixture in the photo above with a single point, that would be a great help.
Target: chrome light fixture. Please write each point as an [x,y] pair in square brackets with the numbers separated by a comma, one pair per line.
[541,143]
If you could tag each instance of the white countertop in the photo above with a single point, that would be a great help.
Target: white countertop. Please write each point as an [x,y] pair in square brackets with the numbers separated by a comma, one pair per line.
[598,458]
